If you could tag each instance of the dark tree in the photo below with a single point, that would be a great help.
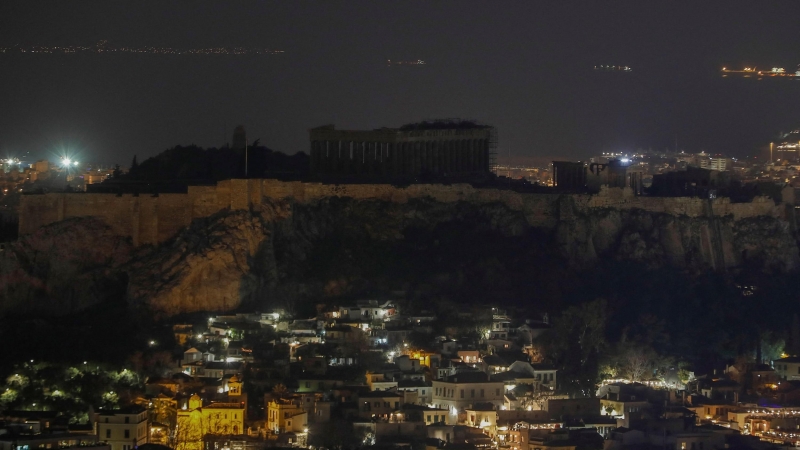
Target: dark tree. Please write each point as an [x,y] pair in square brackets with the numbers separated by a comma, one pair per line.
[134,164]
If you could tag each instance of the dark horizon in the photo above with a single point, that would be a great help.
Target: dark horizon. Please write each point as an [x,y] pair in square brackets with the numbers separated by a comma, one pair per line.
[524,67]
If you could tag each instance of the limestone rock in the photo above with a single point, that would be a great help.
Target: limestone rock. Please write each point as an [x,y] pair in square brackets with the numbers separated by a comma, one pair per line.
[63,268]
[206,268]
[283,250]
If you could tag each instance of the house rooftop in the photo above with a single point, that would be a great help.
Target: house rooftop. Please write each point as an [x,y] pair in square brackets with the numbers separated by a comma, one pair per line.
[411,383]
[789,359]
[482,407]
[236,365]
[379,394]
[494,360]
[468,377]
[133,409]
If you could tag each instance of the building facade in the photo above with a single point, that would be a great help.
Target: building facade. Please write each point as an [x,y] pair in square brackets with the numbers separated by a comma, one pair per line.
[461,391]
[123,429]
[196,420]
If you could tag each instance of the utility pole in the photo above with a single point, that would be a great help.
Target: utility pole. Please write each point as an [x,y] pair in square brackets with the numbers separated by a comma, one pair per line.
[245,158]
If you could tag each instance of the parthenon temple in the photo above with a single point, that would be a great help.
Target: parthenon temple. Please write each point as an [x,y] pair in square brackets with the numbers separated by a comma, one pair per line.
[458,148]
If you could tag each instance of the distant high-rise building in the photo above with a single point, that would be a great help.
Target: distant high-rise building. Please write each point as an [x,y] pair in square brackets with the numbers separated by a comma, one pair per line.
[788,147]
[239,138]
[721,164]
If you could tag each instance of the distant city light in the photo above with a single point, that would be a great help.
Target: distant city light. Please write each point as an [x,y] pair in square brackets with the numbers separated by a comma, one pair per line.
[103,47]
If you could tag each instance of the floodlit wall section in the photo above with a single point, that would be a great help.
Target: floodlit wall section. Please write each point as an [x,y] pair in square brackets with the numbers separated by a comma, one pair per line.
[154,219]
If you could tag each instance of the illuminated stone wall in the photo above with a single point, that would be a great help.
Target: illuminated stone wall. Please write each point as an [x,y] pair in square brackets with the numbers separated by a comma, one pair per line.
[154,219]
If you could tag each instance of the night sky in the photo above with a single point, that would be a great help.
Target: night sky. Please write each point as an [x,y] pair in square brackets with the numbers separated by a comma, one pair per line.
[524,66]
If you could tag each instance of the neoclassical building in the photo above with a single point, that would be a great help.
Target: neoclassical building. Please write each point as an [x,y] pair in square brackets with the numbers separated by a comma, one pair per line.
[217,418]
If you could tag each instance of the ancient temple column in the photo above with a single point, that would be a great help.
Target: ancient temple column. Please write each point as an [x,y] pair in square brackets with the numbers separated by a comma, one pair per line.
[323,153]
[412,152]
[333,155]
[384,161]
[378,158]
[445,159]
[473,155]
[440,148]
[429,156]
[358,157]
[472,151]
[408,165]
[345,163]
[466,152]
[393,157]
[480,162]
[465,157]
[448,157]
[454,157]
[369,158]
[435,156]
[423,156]
[417,157]
[459,157]
[328,159]
[400,148]
[483,150]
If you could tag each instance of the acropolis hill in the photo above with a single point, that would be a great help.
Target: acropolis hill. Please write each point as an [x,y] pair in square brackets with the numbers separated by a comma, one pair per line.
[215,247]
[151,219]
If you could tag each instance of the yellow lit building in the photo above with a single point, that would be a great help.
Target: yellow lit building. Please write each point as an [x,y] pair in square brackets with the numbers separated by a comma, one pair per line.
[196,421]
[285,415]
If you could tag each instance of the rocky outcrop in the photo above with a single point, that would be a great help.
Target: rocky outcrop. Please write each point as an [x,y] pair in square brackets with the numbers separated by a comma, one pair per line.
[289,250]
[282,250]
[697,243]
[63,268]
[208,267]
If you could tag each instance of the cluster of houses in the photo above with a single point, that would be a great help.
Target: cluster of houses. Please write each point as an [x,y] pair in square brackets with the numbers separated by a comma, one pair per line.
[385,379]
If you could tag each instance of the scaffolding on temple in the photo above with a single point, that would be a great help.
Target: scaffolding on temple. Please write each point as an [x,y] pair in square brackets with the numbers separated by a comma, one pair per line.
[493,137]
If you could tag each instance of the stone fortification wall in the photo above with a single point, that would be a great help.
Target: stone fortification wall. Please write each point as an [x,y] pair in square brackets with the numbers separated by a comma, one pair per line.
[155,219]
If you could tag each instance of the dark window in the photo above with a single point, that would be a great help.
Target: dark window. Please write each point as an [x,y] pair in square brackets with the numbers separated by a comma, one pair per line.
[108,434]
[127,433]
[127,419]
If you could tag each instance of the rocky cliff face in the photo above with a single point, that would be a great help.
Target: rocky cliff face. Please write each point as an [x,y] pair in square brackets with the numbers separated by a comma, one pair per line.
[209,267]
[288,251]
[63,268]
[659,240]
[342,246]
